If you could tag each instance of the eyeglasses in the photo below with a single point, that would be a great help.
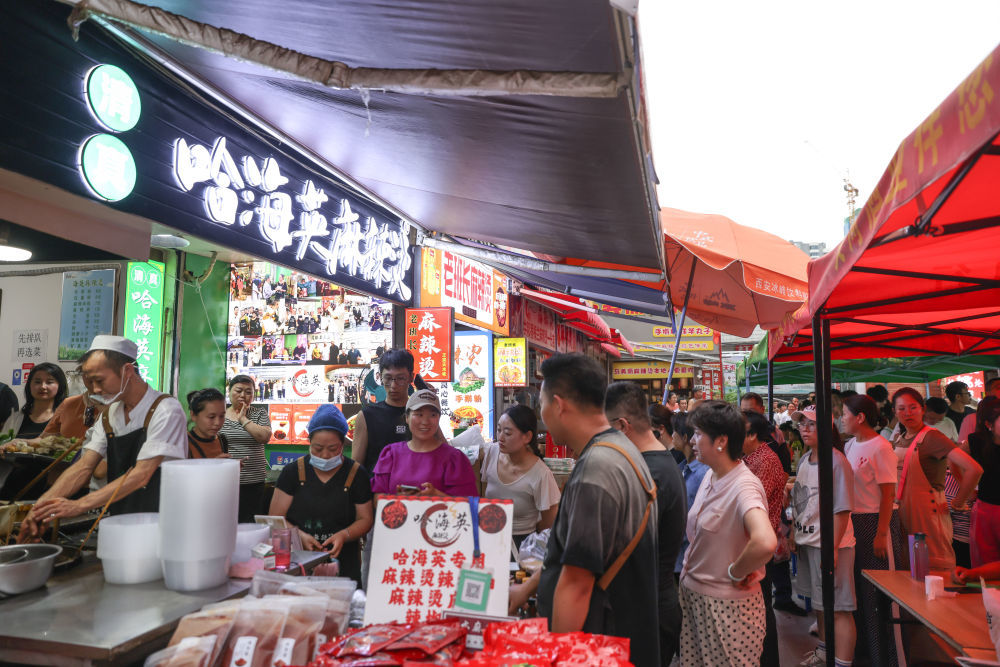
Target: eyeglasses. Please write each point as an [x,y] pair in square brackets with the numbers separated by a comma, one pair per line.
[390,379]
[805,425]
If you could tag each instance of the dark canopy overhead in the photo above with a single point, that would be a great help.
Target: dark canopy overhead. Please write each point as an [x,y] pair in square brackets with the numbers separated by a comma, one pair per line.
[562,175]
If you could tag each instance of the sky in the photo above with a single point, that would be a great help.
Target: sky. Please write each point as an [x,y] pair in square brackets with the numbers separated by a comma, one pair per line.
[760,110]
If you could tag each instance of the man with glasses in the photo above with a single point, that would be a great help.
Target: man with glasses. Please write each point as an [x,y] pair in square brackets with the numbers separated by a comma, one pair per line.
[384,422]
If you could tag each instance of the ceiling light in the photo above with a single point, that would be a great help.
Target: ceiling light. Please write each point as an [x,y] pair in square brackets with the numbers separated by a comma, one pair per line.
[168,241]
[9,253]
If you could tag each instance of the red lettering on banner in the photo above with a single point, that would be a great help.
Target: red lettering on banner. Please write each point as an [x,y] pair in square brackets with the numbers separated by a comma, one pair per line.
[396,597]
[427,577]
[438,558]
[389,576]
[420,557]
[446,579]
[401,557]
[415,597]
[408,578]
[412,615]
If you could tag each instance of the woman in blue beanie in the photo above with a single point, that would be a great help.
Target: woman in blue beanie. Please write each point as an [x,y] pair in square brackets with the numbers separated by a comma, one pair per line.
[325,495]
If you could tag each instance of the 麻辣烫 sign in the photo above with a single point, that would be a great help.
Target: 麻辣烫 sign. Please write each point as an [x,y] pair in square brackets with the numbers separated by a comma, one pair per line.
[428,335]
[422,544]
[510,362]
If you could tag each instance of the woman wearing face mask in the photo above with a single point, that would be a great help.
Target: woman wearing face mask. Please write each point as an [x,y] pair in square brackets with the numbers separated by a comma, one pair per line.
[326,496]
[208,413]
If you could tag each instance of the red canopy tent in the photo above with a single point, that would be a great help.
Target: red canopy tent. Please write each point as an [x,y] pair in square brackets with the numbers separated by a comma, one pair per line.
[918,273]
[577,314]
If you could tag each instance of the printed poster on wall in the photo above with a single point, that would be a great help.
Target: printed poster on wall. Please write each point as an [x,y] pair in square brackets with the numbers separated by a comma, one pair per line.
[468,400]
[539,325]
[29,346]
[88,309]
[476,292]
[428,336]
[422,544]
[510,362]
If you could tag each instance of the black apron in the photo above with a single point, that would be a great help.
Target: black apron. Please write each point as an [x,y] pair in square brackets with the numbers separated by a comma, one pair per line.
[122,454]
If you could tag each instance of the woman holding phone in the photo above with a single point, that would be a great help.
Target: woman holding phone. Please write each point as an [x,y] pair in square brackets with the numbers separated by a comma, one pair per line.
[426,465]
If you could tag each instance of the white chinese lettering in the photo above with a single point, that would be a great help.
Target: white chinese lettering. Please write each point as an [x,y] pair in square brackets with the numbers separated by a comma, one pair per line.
[273,216]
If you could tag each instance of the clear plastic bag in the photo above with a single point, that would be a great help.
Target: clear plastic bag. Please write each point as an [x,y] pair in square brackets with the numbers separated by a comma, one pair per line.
[266,582]
[255,634]
[337,608]
[300,636]
[991,600]
[188,652]
[532,551]
[214,621]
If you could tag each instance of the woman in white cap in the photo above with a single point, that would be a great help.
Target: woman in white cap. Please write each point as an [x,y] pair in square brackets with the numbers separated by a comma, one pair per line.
[425,465]
[326,496]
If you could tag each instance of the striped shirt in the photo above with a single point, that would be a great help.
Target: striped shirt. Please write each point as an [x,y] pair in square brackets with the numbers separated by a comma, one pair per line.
[243,445]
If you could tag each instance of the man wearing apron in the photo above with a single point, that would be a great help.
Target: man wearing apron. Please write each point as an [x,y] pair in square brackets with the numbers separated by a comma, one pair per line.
[141,429]
[925,454]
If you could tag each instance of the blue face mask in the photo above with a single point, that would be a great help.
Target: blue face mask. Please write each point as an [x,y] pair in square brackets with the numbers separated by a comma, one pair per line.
[325,464]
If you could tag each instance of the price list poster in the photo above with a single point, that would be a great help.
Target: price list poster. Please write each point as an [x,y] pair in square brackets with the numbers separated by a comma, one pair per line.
[88,309]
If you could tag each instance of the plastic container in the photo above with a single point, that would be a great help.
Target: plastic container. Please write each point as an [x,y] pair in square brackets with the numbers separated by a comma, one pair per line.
[195,575]
[247,535]
[129,548]
[198,514]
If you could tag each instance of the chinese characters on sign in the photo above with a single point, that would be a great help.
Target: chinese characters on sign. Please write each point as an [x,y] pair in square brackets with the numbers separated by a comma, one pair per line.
[648,370]
[668,332]
[539,324]
[29,346]
[298,219]
[711,379]
[467,401]
[474,290]
[510,362]
[428,337]
[88,301]
[424,543]
[144,317]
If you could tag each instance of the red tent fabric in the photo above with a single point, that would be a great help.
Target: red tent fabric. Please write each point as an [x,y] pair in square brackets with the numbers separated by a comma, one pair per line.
[918,273]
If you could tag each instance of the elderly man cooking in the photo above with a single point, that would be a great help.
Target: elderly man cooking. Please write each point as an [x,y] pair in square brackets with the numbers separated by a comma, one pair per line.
[141,429]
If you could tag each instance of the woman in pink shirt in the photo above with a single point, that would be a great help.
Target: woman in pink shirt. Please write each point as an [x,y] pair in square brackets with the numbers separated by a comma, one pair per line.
[731,539]
[426,465]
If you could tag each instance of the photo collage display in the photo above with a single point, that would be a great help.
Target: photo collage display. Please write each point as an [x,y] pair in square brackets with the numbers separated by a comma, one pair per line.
[304,342]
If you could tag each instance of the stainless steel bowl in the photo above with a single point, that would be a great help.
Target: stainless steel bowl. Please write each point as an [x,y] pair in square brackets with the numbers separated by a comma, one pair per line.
[29,572]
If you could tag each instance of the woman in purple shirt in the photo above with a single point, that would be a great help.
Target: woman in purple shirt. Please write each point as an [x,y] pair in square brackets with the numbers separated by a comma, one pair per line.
[426,465]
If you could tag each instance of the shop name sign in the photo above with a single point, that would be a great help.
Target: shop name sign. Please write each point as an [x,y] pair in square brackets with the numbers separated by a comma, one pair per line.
[297,219]
[144,317]
[474,290]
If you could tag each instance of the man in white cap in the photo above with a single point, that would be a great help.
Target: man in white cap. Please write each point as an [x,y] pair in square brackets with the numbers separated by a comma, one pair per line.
[141,429]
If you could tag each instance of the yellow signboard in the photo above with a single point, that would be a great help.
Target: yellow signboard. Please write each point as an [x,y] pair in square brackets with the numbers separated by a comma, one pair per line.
[668,332]
[668,346]
[648,370]
[510,362]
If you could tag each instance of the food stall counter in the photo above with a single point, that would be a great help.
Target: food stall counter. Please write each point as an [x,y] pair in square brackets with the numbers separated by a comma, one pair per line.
[79,619]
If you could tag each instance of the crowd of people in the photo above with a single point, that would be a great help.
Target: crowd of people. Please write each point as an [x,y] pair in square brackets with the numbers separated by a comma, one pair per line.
[675,528]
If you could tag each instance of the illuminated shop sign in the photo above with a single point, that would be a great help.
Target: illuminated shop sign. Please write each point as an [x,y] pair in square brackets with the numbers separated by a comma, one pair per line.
[294,218]
[144,317]
[113,98]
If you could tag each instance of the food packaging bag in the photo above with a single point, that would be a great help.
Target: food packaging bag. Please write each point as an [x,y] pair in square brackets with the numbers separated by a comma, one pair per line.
[338,610]
[189,652]
[991,600]
[300,636]
[213,621]
[255,634]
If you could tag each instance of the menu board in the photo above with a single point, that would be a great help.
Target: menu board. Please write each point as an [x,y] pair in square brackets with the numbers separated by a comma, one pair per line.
[468,401]
[88,309]
[510,362]
[304,342]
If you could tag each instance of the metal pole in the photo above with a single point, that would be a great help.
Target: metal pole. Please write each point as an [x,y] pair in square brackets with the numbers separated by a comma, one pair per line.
[678,330]
[824,432]
[770,391]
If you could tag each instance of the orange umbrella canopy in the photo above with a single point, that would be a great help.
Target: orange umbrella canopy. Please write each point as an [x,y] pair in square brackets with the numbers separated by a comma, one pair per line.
[742,276]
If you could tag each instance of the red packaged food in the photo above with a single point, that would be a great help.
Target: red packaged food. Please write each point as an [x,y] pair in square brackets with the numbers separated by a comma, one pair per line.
[432,637]
[372,639]
[332,647]
[377,660]
[255,634]
[528,626]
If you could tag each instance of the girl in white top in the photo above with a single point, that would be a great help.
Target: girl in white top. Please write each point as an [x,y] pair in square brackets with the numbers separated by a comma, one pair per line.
[879,544]
[513,469]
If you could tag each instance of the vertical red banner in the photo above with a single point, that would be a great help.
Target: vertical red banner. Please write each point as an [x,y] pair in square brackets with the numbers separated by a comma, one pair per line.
[429,336]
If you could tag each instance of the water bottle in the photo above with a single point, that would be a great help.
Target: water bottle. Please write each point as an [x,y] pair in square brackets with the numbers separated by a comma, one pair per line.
[919,557]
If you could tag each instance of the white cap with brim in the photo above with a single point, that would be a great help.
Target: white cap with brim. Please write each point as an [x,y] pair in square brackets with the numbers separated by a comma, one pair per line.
[424,397]
[807,413]
[119,344]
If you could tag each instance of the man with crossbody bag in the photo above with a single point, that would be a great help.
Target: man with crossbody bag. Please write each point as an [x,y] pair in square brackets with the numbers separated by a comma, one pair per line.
[600,570]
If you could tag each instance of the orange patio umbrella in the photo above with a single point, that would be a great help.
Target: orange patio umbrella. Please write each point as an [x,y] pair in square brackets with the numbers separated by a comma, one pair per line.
[731,277]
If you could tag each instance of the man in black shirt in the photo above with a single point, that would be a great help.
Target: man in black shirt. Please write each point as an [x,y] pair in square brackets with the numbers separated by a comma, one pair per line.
[605,504]
[384,422]
[627,409]
[8,402]
[959,399]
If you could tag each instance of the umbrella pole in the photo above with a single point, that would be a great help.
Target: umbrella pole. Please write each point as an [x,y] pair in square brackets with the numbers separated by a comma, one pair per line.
[770,391]
[678,331]
[824,433]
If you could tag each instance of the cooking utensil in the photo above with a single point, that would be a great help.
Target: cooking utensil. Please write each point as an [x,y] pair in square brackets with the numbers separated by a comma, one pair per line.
[12,555]
[30,572]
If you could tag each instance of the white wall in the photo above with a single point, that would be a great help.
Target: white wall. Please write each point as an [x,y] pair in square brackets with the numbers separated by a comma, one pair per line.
[32,302]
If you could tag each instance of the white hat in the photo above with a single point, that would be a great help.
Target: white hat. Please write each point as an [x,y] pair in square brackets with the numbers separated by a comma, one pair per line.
[424,397]
[118,344]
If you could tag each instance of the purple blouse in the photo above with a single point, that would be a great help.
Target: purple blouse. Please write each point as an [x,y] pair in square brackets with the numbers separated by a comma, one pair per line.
[447,468]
